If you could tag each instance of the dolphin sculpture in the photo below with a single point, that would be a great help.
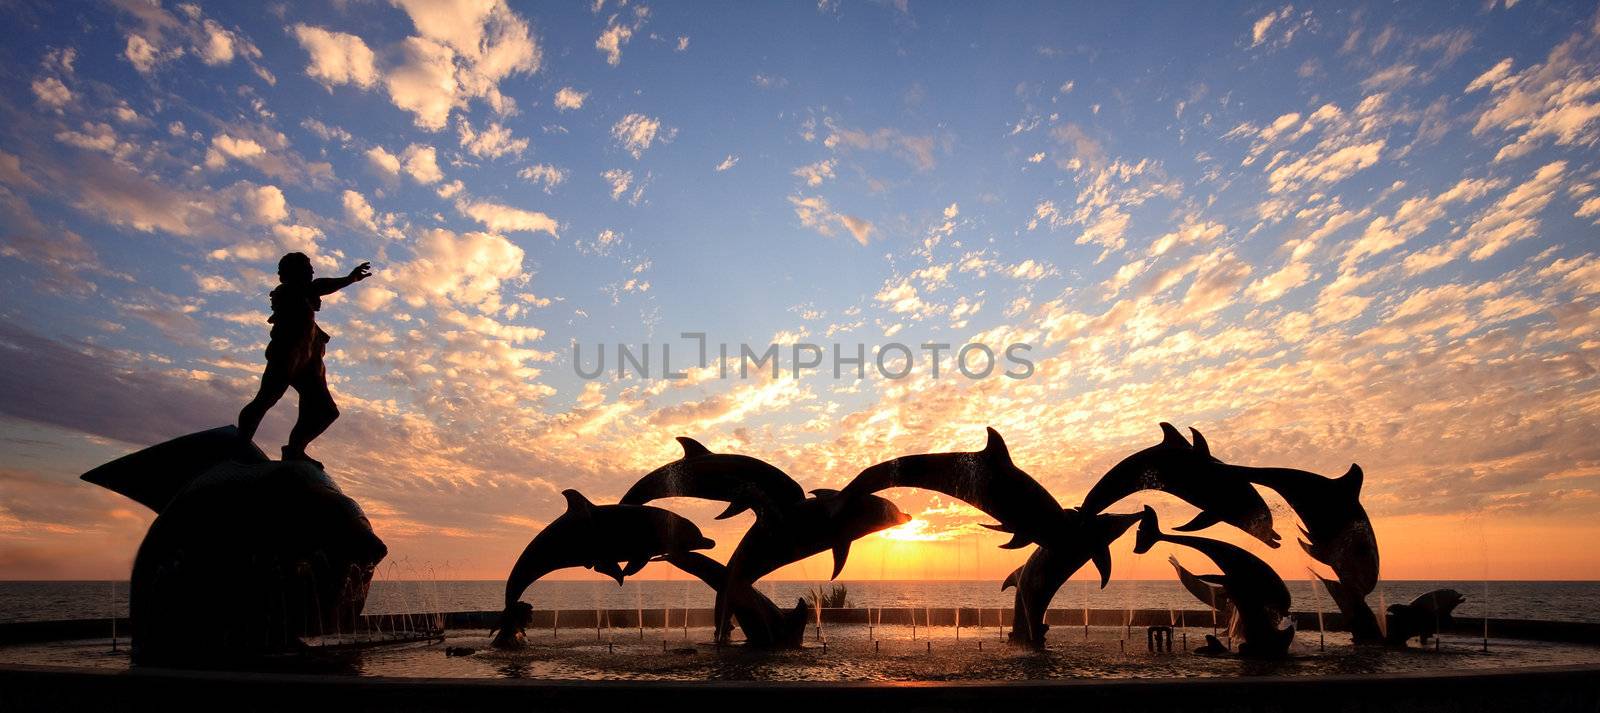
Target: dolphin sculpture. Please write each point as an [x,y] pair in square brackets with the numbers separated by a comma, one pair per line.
[990,481]
[745,483]
[1212,595]
[1335,531]
[1258,594]
[1189,472]
[246,557]
[986,480]
[1048,568]
[595,537]
[764,624]
[1423,617]
[827,521]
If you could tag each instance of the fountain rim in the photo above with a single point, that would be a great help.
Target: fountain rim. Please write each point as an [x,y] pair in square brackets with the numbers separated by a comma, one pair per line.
[175,675]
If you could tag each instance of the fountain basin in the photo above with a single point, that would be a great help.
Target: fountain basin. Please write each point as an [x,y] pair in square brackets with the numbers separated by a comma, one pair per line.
[851,666]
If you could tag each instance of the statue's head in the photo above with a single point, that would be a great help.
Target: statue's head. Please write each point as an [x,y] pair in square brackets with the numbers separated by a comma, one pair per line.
[294,268]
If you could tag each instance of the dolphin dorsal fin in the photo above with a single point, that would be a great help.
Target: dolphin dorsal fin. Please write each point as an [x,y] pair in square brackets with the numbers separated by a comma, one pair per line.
[576,503]
[1352,479]
[1200,445]
[1171,437]
[692,447]
[995,449]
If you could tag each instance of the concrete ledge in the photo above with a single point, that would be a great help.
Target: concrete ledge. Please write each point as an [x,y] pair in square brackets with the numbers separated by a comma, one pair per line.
[1564,632]
[1552,690]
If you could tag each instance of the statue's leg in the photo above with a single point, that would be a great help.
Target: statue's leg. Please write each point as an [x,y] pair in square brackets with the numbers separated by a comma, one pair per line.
[317,410]
[274,382]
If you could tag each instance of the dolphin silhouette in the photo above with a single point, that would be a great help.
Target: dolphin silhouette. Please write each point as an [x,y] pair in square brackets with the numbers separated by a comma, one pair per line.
[763,623]
[1423,617]
[1049,567]
[827,521]
[1190,473]
[1206,590]
[596,537]
[245,555]
[745,483]
[1258,594]
[986,480]
[1336,531]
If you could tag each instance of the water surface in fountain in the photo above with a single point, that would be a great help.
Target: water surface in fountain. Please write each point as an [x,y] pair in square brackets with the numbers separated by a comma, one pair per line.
[850,655]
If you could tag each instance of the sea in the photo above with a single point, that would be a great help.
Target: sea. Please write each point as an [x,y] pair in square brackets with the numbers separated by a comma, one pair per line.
[1558,601]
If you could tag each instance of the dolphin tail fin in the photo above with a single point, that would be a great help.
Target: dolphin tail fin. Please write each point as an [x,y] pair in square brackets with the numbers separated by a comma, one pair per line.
[1205,519]
[996,528]
[733,509]
[1102,562]
[154,476]
[841,552]
[1149,531]
[692,448]
[1011,579]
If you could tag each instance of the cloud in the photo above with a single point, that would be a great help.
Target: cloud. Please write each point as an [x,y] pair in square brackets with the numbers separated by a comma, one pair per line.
[1556,100]
[337,57]
[502,218]
[494,141]
[544,173]
[225,147]
[425,83]
[51,92]
[569,99]
[815,173]
[727,163]
[815,213]
[618,32]
[466,48]
[464,269]
[357,210]
[386,163]
[917,150]
[620,181]
[1514,217]
[636,132]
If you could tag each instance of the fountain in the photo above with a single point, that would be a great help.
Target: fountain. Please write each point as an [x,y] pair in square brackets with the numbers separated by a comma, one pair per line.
[1248,614]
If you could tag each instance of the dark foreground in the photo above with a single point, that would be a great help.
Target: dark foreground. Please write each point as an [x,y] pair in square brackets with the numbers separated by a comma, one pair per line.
[1556,689]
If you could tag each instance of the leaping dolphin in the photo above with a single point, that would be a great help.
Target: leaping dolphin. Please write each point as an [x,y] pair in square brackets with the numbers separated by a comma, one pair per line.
[1423,617]
[1258,593]
[1049,567]
[596,537]
[1336,531]
[986,480]
[1208,592]
[828,521]
[1190,473]
[764,624]
[745,483]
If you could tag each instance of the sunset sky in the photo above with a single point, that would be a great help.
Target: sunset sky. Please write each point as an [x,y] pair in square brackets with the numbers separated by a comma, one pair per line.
[1321,234]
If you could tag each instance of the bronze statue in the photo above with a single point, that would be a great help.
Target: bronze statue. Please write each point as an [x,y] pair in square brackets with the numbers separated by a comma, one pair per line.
[294,354]
[1424,617]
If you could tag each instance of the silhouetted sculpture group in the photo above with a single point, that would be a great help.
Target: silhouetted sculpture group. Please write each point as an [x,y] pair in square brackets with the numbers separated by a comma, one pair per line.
[247,556]
[790,527]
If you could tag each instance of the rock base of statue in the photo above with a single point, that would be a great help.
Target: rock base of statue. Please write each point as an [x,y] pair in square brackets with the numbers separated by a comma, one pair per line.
[247,557]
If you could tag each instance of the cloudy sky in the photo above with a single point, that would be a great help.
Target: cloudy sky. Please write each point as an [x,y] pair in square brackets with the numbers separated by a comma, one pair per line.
[1321,234]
